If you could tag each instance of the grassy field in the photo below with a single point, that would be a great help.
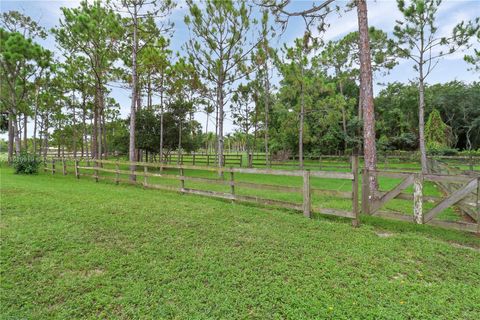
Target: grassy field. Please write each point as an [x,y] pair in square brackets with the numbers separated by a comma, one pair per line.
[75,249]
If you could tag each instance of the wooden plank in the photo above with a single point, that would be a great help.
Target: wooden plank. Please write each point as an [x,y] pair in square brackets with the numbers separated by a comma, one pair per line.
[262,186]
[277,203]
[206,193]
[333,212]
[332,175]
[394,216]
[392,193]
[452,199]
[332,193]
[447,178]
[291,173]
[455,225]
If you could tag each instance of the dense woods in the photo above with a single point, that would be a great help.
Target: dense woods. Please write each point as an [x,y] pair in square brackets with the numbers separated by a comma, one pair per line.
[308,97]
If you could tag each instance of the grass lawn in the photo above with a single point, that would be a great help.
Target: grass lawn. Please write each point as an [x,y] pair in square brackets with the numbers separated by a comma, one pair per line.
[76,249]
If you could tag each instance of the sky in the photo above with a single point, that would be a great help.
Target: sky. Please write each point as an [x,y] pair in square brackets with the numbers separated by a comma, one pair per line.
[382,14]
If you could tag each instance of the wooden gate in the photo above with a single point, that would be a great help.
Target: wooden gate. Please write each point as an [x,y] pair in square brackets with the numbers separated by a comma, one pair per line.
[464,196]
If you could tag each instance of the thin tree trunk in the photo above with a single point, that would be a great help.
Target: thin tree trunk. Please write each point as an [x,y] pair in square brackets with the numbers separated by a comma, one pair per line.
[132,153]
[35,123]
[267,94]
[366,95]
[161,122]
[302,117]
[421,123]
[344,120]
[25,140]
[16,133]
[10,139]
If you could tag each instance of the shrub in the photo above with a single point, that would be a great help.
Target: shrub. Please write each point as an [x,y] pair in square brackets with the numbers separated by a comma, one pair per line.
[26,163]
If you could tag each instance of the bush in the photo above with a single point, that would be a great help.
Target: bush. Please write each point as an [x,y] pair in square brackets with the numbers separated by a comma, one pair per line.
[26,163]
[442,152]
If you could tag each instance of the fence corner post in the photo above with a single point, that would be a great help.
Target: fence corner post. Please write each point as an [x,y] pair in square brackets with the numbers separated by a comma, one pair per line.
[53,165]
[307,203]
[355,209]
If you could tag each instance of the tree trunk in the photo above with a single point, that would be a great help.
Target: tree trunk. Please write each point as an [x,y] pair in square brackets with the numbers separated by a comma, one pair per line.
[220,102]
[267,94]
[10,139]
[421,123]
[35,123]
[302,115]
[25,140]
[131,149]
[344,120]
[84,126]
[161,123]
[16,134]
[74,129]
[366,95]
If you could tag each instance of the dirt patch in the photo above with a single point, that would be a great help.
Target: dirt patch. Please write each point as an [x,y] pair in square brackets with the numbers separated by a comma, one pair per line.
[384,234]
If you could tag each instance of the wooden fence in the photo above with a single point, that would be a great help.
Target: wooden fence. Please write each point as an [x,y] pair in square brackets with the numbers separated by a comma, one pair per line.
[226,176]
[466,193]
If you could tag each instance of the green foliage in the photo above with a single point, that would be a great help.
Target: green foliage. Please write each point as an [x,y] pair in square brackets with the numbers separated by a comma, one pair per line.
[26,163]
[437,133]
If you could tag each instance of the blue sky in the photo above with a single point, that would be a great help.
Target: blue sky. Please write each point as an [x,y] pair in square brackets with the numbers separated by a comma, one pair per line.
[382,14]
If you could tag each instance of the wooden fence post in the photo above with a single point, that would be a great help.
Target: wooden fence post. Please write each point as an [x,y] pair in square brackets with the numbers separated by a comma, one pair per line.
[96,171]
[77,172]
[366,191]
[53,165]
[232,184]
[193,159]
[117,172]
[418,198]
[145,173]
[307,204]
[320,163]
[64,167]
[182,180]
[356,216]
[208,159]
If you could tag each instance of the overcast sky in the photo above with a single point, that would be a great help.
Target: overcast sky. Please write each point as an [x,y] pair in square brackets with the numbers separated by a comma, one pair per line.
[382,14]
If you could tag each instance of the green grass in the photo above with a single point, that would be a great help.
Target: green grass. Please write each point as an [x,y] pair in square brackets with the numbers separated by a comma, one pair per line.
[78,249]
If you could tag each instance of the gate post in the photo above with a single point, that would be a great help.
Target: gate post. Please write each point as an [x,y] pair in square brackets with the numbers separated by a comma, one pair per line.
[366,191]
[418,198]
